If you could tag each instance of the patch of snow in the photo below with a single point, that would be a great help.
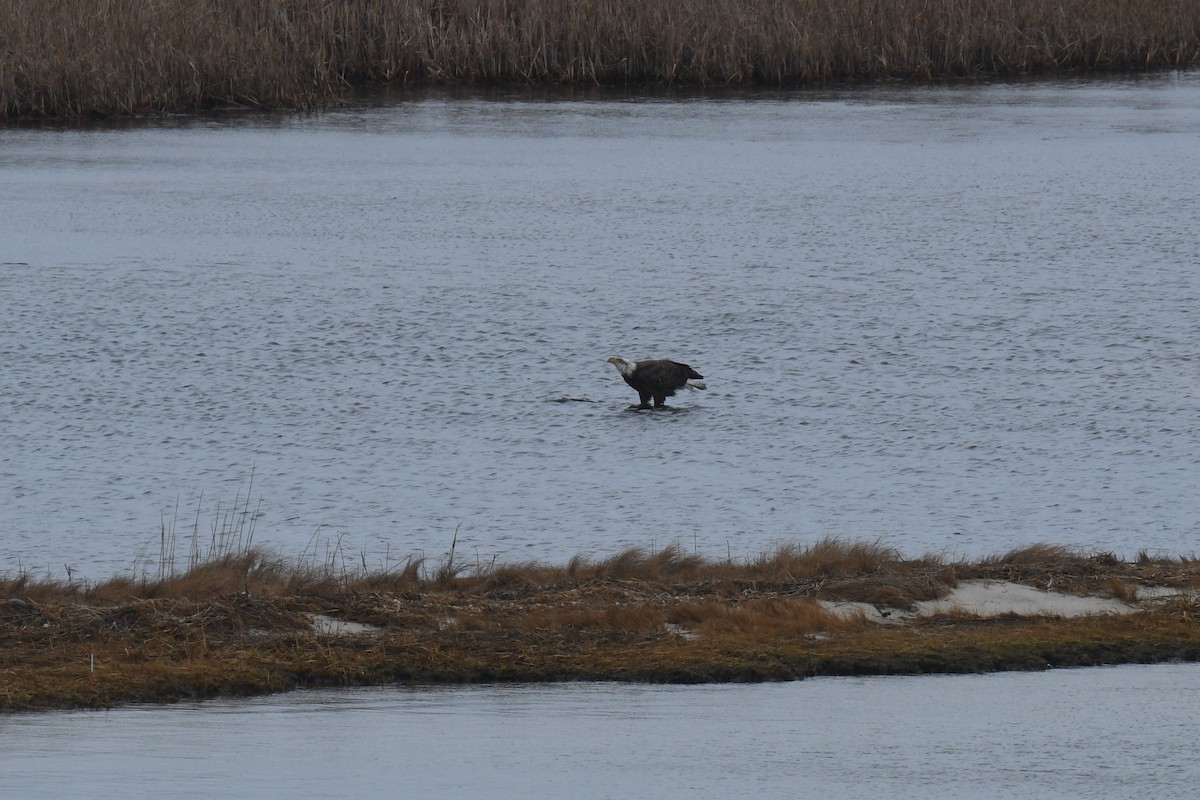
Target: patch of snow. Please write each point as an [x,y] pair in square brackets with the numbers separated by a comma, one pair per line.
[332,626]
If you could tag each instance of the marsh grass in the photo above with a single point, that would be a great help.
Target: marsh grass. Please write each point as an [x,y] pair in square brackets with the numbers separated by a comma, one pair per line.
[1073,570]
[70,58]
[240,621]
[828,569]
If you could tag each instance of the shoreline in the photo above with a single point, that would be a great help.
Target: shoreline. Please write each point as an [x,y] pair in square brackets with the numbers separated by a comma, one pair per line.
[245,624]
[375,95]
[303,54]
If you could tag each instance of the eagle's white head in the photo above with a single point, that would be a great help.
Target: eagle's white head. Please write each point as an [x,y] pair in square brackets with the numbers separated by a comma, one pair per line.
[623,365]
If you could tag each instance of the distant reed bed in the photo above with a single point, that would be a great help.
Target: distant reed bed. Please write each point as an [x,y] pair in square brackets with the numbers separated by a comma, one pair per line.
[85,57]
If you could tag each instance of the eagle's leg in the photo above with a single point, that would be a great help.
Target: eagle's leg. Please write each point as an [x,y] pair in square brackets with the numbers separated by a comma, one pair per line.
[645,398]
[660,400]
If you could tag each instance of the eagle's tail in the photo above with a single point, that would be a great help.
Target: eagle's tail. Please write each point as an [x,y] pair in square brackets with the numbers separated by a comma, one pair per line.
[696,385]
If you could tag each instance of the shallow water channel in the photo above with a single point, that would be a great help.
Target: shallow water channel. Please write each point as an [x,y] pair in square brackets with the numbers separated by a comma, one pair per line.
[1095,733]
[958,319]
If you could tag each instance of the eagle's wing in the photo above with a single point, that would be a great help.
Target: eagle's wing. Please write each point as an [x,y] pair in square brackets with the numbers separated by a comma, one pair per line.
[664,374]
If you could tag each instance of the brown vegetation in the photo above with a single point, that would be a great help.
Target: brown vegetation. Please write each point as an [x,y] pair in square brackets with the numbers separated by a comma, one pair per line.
[243,622]
[71,58]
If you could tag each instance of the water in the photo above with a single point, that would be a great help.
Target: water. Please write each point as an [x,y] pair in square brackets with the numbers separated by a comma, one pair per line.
[1096,733]
[957,319]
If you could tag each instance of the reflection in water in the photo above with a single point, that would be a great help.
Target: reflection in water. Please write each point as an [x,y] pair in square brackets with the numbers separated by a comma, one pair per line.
[1101,732]
[951,318]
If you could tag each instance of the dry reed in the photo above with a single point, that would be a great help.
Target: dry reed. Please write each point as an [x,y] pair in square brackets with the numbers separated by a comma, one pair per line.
[71,58]
[827,569]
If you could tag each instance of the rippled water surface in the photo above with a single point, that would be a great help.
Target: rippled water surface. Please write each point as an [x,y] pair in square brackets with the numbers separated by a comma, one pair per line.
[1097,733]
[956,319]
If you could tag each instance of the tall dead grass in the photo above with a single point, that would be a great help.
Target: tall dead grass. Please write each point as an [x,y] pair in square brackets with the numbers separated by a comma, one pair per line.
[67,57]
[251,570]
[828,569]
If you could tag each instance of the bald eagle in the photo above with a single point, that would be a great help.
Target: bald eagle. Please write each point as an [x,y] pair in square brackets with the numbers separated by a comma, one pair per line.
[658,378]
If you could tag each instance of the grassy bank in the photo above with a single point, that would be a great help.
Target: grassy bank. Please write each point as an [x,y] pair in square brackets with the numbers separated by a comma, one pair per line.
[245,623]
[73,58]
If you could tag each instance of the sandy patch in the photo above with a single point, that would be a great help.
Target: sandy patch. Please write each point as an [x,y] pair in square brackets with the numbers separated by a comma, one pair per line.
[993,598]
[870,612]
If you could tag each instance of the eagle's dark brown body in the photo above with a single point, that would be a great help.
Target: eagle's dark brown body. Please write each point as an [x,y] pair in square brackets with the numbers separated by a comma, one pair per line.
[656,379]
